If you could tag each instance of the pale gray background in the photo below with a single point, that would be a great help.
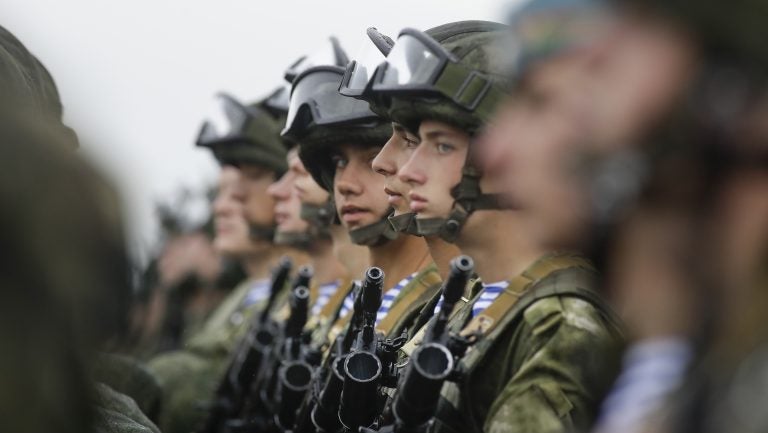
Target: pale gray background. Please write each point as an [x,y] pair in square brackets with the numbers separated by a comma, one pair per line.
[137,77]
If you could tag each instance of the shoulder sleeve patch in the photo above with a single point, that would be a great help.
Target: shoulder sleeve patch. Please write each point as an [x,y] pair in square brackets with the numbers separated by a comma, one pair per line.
[544,314]
[582,315]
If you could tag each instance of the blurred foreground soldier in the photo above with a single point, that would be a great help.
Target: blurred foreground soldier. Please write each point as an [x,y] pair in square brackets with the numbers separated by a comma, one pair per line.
[34,87]
[546,343]
[537,143]
[713,135]
[65,287]
[246,143]
[637,146]
[99,312]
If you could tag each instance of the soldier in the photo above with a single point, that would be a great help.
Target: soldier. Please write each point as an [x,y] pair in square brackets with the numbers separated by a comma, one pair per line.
[245,141]
[338,138]
[34,86]
[624,140]
[396,150]
[309,227]
[99,311]
[317,209]
[720,281]
[542,313]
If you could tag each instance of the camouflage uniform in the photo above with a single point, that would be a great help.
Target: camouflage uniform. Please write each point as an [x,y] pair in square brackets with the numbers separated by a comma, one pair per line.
[547,345]
[546,363]
[127,376]
[118,413]
[29,83]
[64,272]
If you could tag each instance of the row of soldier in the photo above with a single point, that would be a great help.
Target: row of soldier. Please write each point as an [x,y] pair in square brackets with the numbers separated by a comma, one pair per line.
[553,224]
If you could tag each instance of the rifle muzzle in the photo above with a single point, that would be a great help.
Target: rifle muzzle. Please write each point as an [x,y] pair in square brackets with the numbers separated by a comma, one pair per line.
[359,398]
[325,415]
[295,381]
[417,399]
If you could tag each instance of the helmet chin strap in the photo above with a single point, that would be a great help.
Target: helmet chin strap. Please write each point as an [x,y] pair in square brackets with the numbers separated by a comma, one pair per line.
[404,223]
[301,240]
[261,232]
[374,234]
[319,217]
[467,198]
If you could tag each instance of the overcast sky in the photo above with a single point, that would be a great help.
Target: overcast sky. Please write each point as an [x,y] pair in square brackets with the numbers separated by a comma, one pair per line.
[137,77]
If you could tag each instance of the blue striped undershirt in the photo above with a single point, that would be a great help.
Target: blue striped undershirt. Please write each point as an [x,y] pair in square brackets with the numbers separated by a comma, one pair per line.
[324,293]
[386,301]
[487,296]
[389,298]
[258,292]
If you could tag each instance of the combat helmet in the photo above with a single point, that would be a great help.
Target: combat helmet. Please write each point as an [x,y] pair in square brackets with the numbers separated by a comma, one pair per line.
[320,119]
[455,73]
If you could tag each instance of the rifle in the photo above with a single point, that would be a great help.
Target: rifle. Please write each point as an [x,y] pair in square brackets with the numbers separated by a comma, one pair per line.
[362,367]
[247,359]
[320,412]
[260,405]
[433,362]
[295,373]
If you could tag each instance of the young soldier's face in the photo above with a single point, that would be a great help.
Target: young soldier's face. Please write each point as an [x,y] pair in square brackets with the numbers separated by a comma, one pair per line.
[309,191]
[232,235]
[393,156]
[434,168]
[529,152]
[573,111]
[286,197]
[629,95]
[358,190]
[253,184]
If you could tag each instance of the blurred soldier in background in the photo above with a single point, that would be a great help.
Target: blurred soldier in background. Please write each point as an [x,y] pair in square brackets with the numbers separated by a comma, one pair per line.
[245,141]
[181,287]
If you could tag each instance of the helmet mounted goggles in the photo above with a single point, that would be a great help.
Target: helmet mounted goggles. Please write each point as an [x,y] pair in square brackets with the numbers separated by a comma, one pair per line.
[227,121]
[418,63]
[360,70]
[316,101]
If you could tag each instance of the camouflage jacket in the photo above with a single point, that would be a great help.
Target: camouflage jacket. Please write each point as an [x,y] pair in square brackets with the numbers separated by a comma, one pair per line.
[189,378]
[118,413]
[549,349]
[128,376]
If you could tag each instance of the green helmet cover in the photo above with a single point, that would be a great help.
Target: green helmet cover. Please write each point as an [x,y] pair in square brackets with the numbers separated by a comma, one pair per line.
[481,47]
[257,143]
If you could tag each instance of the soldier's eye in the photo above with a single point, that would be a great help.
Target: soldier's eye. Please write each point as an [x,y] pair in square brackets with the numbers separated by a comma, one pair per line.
[410,143]
[339,161]
[444,148]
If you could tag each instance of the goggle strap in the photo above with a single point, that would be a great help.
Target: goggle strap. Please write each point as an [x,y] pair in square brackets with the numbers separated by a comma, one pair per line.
[470,89]
[464,86]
